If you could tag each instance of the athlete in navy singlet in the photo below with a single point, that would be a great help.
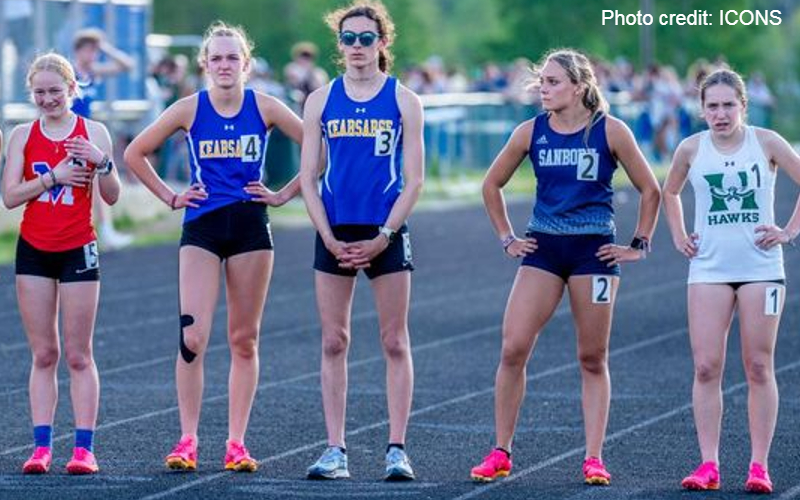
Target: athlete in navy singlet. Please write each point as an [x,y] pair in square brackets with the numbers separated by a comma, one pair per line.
[574,147]
[225,222]
[372,130]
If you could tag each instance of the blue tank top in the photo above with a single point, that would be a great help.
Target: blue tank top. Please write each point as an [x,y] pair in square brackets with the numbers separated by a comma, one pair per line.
[573,180]
[364,175]
[82,105]
[225,153]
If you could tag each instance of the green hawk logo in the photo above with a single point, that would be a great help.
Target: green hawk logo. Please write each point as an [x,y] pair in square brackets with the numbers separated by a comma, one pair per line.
[720,197]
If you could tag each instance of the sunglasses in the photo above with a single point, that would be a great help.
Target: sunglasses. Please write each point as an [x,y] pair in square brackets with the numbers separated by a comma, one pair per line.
[365,38]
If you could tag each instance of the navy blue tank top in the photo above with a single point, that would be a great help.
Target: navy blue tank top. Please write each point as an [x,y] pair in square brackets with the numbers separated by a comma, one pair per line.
[365,145]
[225,153]
[574,194]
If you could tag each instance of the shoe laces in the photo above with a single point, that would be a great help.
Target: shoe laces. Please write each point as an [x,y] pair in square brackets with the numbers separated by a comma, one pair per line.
[707,471]
[757,471]
[595,467]
[495,458]
[396,455]
[237,451]
[331,455]
[186,446]
[82,454]
[40,453]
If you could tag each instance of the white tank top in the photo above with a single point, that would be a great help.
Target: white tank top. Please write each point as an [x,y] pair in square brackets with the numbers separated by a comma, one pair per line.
[733,195]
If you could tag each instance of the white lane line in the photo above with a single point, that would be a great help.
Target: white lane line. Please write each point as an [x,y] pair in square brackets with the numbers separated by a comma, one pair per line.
[480,490]
[421,411]
[790,493]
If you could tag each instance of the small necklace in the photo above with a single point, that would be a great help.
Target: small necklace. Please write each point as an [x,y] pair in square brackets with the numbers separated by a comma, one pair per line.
[362,79]
[58,143]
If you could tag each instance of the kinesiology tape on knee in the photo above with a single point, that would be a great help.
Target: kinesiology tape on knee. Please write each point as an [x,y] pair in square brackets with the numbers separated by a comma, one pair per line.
[186,353]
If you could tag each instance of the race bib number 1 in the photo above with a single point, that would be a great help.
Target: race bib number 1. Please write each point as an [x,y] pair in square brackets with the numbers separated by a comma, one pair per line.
[772,300]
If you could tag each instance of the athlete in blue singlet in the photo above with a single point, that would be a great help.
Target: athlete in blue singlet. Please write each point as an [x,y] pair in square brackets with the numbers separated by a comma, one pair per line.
[574,147]
[225,228]
[372,130]
[88,45]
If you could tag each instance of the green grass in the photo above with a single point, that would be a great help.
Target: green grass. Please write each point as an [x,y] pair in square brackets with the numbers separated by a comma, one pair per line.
[461,188]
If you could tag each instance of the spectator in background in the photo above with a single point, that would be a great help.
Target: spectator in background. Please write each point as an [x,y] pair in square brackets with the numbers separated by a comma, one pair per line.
[760,100]
[262,79]
[171,74]
[88,46]
[302,74]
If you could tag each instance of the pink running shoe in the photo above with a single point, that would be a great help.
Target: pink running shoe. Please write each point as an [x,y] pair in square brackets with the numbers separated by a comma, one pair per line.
[496,464]
[595,473]
[705,477]
[83,462]
[183,455]
[40,461]
[758,480]
[238,458]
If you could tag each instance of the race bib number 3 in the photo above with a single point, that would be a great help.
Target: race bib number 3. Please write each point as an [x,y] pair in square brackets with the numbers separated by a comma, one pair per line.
[384,142]
[251,148]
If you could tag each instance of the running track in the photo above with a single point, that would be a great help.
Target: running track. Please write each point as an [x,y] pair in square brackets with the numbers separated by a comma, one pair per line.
[460,287]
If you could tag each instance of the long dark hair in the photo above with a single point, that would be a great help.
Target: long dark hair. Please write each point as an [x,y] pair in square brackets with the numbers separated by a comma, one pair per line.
[371,9]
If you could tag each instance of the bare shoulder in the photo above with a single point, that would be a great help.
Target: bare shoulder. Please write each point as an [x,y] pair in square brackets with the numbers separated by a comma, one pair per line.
[20,133]
[521,137]
[687,149]
[94,127]
[768,139]
[406,96]
[265,100]
[316,100]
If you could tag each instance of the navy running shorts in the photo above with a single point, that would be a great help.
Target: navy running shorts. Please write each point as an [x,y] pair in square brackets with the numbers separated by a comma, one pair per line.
[570,254]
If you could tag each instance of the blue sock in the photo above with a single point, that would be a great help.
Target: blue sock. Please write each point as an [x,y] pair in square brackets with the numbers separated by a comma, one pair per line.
[43,436]
[84,438]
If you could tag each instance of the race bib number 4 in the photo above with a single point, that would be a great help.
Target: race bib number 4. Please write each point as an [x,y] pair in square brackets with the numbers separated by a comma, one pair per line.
[251,148]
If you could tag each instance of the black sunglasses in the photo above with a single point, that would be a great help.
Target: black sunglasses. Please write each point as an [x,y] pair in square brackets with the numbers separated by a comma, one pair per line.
[365,38]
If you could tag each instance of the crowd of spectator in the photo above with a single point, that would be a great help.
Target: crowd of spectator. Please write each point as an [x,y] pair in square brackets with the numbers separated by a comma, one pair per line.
[660,106]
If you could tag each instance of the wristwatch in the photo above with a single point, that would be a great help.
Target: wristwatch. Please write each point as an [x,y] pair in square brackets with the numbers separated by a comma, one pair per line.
[105,166]
[641,243]
[388,233]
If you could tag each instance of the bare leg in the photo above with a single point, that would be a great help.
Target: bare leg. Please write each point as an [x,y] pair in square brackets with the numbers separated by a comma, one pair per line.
[199,290]
[334,301]
[247,280]
[533,299]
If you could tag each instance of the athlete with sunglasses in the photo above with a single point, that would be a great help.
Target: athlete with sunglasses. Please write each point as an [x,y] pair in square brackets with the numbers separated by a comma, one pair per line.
[372,130]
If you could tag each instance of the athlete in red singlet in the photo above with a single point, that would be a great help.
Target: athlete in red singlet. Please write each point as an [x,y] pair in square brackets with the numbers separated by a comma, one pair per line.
[51,166]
